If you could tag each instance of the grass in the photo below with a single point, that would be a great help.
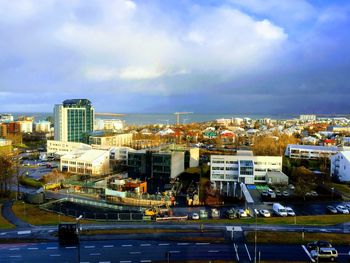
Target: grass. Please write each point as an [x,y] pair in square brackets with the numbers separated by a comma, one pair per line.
[296,237]
[30,182]
[36,216]
[342,188]
[138,231]
[4,224]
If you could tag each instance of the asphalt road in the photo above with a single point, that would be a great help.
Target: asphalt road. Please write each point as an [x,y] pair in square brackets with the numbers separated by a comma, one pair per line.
[152,251]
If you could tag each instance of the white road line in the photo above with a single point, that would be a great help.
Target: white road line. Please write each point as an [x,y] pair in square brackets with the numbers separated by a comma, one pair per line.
[246,248]
[32,248]
[174,251]
[2,234]
[202,244]
[16,256]
[55,255]
[213,251]
[182,244]
[14,248]
[26,232]
[89,247]
[145,245]
[51,248]
[135,252]
[70,247]
[50,231]
[235,247]
[108,246]
[307,253]
[104,262]
[145,260]
[163,244]
[126,245]
[95,254]
[125,261]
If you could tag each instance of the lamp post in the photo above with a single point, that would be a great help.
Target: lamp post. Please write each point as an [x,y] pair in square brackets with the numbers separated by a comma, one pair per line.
[78,234]
[255,237]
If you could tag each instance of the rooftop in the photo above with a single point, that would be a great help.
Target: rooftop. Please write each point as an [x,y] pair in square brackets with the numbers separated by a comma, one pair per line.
[85,155]
[313,147]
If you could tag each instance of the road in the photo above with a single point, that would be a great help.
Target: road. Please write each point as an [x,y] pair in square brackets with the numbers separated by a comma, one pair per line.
[151,251]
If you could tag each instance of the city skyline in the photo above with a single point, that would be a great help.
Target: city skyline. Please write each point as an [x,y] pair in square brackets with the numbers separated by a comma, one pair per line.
[238,56]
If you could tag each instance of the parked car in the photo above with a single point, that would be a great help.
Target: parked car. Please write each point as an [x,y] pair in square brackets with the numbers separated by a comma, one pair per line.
[203,214]
[195,216]
[278,193]
[264,193]
[291,187]
[328,253]
[347,206]
[215,213]
[265,213]
[290,211]
[342,209]
[285,193]
[241,213]
[317,244]
[314,193]
[256,212]
[331,210]
[279,209]
[231,213]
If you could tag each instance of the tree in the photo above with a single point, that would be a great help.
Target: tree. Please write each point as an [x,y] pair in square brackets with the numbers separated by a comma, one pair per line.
[7,172]
[304,180]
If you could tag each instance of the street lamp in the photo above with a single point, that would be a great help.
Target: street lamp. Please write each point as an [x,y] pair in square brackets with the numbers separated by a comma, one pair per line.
[78,234]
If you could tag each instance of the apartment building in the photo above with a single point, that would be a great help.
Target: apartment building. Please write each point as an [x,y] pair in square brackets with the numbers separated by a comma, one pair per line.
[340,166]
[243,167]
[115,140]
[74,120]
[310,151]
[43,126]
[86,162]
[307,117]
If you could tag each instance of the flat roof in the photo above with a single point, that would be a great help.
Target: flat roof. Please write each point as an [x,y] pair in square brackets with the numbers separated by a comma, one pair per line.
[85,156]
[314,147]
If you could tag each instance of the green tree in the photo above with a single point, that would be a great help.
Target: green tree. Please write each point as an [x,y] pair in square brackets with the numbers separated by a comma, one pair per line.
[304,180]
[7,172]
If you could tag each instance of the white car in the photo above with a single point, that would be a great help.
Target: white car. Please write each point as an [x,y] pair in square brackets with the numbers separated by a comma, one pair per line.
[265,213]
[342,209]
[241,213]
[290,211]
[347,206]
[195,216]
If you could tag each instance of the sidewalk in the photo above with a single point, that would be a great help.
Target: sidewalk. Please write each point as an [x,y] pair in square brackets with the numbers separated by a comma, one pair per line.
[8,214]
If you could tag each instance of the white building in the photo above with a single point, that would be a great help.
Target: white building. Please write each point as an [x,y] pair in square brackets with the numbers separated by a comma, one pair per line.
[26,126]
[109,124]
[310,151]
[62,148]
[90,162]
[243,167]
[307,117]
[43,126]
[6,117]
[5,142]
[121,153]
[340,166]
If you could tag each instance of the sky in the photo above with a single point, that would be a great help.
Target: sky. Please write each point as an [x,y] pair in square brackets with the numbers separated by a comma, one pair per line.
[161,56]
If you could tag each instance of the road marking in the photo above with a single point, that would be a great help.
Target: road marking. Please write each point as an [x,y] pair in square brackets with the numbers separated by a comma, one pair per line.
[163,244]
[174,251]
[202,244]
[104,262]
[16,256]
[95,254]
[125,261]
[135,252]
[55,255]
[307,253]
[26,232]
[246,248]
[14,248]
[213,251]
[70,247]
[145,245]
[51,248]
[126,245]
[235,247]
[89,247]
[108,246]
[50,231]
[182,244]
[145,260]
[2,234]
[32,248]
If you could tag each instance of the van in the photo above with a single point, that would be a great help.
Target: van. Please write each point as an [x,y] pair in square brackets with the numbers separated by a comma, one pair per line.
[279,209]
[329,253]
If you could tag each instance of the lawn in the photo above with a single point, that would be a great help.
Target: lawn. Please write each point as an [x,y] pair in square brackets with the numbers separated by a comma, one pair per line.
[139,231]
[296,237]
[342,188]
[4,224]
[36,216]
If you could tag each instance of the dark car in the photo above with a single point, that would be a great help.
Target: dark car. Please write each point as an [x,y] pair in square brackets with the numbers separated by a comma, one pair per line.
[230,214]
[318,244]
[264,193]
[332,210]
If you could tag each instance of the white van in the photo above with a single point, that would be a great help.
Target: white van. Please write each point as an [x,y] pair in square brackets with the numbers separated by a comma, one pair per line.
[279,209]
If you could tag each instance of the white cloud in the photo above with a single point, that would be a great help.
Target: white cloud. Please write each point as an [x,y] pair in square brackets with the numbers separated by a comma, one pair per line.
[269,31]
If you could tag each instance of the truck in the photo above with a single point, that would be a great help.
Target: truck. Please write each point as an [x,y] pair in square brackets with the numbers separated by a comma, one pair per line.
[279,209]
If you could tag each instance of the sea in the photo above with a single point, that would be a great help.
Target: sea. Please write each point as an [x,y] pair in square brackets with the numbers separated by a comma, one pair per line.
[165,118]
